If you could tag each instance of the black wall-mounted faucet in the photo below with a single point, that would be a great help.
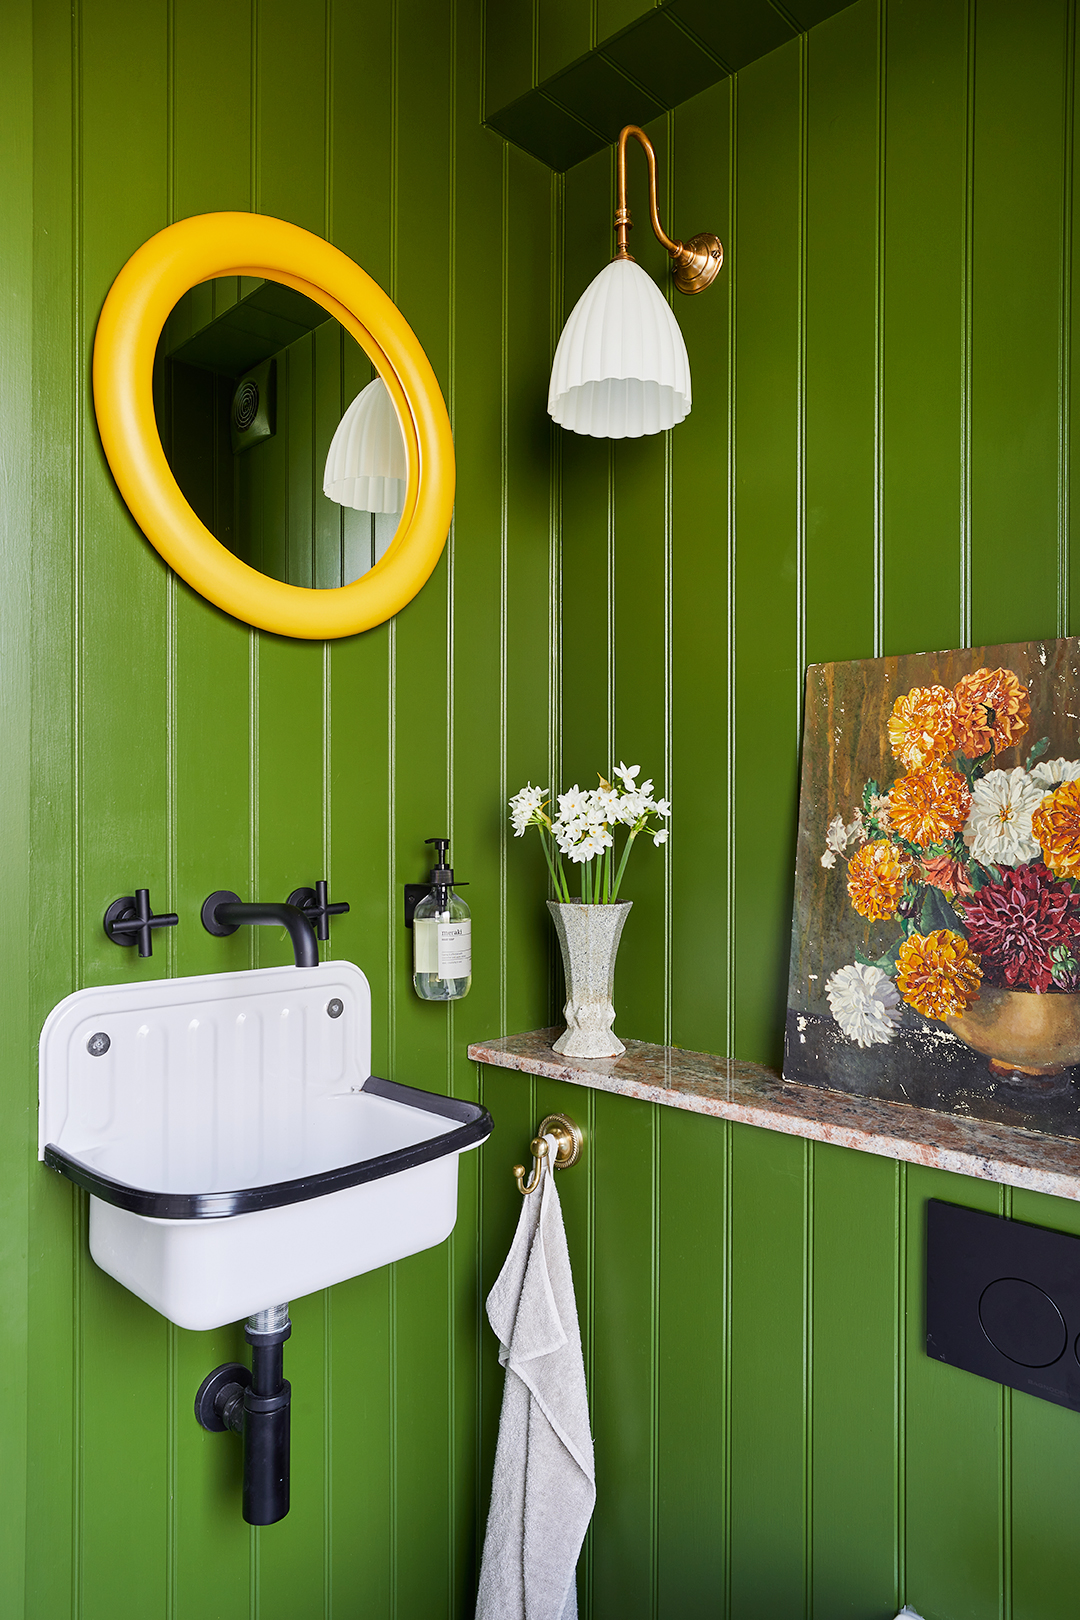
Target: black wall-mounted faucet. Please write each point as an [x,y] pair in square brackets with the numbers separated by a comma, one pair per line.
[315,905]
[129,921]
[224,912]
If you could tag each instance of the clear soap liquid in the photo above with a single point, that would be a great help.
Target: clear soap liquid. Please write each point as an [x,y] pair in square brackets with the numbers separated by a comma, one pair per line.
[442,946]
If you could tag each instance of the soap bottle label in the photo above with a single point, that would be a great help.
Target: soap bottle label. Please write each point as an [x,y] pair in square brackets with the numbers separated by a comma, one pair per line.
[455,949]
[426,945]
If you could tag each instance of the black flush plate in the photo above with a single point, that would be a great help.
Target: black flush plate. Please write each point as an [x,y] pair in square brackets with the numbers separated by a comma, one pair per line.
[1003,1301]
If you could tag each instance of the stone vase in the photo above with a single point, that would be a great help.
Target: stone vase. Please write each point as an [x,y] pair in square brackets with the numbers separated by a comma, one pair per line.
[589,937]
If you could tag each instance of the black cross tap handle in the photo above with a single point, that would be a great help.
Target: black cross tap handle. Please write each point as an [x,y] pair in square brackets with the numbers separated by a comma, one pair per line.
[316,908]
[129,920]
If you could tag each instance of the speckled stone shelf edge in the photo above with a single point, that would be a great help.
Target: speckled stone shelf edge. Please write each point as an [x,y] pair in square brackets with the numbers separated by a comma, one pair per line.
[753,1095]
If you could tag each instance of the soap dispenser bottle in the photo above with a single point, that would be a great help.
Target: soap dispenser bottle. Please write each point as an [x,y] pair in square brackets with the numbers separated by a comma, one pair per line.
[442,935]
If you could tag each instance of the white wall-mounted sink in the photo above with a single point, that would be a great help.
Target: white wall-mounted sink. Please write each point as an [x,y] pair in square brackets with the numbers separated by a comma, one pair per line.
[237,1150]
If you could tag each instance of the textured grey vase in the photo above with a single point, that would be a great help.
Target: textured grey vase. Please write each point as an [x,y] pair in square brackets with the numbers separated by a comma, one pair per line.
[589,936]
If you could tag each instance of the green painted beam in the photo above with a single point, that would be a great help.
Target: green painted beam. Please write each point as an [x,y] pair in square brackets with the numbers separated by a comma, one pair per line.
[562,103]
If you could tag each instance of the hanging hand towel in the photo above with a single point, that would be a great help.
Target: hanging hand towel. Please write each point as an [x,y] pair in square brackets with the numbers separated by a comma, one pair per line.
[544,1487]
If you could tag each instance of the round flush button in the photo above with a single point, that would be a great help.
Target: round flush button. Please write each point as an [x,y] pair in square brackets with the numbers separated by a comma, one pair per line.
[1022,1322]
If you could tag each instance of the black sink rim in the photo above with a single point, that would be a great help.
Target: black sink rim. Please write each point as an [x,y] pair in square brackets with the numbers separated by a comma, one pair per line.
[474,1125]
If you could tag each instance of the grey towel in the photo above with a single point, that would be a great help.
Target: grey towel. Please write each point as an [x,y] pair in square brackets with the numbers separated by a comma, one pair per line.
[544,1487]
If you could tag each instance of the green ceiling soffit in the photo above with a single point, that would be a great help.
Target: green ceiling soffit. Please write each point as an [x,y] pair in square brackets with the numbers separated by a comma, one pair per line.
[663,57]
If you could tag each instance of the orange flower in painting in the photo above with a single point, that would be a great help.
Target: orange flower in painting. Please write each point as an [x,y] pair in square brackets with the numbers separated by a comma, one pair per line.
[938,974]
[943,873]
[992,711]
[921,726]
[929,807]
[1056,827]
[875,879]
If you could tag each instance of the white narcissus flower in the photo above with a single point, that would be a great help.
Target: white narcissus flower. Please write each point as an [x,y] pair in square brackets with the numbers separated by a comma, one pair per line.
[626,774]
[865,1003]
[663,808]
[631,808]
[572,804]
[1050,773]
[523,807]
[661,837]
[603,805]
[998,827]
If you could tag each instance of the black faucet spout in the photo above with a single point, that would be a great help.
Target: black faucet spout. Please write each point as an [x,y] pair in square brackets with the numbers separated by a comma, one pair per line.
[224,912]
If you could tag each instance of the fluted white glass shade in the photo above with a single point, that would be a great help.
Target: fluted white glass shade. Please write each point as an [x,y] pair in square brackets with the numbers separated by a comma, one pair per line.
[621,368]
[366,467]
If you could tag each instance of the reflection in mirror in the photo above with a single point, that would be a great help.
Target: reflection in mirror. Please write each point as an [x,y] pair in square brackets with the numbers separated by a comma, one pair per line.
[251,385]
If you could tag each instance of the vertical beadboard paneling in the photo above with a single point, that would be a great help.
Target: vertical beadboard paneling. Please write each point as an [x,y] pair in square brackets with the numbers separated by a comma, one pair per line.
[16,397]
[220,756]
[871,401]
[875,426]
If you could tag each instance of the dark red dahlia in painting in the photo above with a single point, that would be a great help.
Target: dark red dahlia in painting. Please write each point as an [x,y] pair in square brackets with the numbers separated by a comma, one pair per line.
[1013,926]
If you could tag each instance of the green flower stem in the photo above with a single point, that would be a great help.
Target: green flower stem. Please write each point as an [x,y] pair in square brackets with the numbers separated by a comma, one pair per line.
[622,864]
[557,877]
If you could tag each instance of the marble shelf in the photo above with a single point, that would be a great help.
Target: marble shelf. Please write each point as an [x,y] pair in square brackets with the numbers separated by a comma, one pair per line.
[753,1095]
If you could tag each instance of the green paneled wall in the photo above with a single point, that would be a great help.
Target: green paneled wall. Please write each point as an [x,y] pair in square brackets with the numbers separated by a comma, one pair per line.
[878,460]
[169,745]
[875,462]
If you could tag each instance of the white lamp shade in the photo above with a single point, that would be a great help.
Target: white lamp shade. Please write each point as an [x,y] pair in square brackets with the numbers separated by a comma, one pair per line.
[621,368]
[366,467]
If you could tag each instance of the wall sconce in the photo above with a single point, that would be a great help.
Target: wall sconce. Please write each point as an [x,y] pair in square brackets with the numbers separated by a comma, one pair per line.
[621,368]
[365,465]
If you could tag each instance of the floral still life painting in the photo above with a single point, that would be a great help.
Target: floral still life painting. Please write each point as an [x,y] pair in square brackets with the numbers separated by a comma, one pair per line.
[936,936]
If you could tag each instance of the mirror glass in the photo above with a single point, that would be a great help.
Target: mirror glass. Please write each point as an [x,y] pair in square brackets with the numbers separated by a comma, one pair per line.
[279,432]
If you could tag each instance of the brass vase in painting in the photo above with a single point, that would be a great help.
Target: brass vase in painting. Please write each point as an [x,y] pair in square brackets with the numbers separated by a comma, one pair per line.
[1026,1036]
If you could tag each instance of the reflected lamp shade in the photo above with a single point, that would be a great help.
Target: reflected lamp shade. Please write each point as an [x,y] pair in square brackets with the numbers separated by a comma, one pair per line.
[365,466]
[621,368]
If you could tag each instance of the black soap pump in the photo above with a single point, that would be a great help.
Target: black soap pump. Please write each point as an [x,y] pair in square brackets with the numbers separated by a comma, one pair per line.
[442,935]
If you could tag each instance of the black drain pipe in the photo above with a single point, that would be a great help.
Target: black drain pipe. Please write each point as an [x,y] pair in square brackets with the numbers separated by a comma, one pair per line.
[256,1405]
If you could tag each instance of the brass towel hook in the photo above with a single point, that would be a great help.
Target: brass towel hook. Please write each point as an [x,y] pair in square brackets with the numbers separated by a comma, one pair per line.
[569,1141]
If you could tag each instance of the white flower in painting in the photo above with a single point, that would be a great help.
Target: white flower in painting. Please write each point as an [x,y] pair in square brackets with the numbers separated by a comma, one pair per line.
[523,807]
[626,774]
[1050,773]
[879,809]
[865,1003]
[998,827]
[838,837]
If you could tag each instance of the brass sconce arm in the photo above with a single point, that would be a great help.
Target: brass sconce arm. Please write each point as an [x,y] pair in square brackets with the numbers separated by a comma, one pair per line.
[695,262]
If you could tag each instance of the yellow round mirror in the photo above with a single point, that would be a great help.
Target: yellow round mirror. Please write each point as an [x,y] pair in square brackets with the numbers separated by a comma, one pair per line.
[155,278]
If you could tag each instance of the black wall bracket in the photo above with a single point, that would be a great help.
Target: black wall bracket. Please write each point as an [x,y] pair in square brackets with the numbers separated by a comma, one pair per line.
[316,907]
[254,1404]
[129,921]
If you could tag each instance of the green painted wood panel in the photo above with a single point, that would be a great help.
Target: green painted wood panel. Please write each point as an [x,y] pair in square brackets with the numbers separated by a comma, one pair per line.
[876,421]
[769,536]
[16,404]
